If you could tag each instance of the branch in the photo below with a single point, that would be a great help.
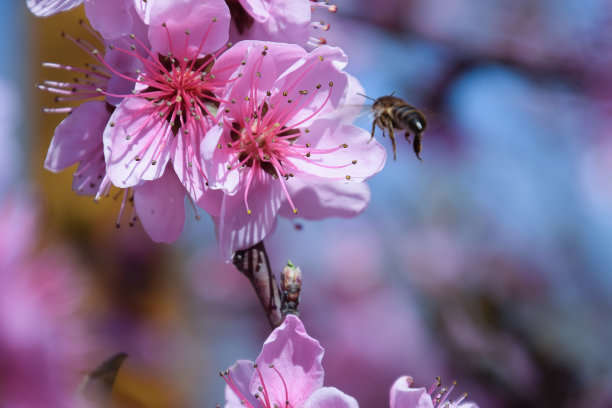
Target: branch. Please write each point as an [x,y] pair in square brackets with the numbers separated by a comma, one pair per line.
[255,265]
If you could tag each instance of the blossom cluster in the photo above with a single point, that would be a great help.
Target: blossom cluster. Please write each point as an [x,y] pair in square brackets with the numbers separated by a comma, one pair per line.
[228,103]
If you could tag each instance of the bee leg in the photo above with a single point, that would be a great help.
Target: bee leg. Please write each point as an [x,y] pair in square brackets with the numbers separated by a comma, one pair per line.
[373,130]
[392,137]
[407,136]
[417,145]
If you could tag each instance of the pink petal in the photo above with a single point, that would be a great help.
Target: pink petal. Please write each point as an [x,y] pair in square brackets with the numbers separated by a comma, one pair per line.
[280,21]
[149,138]
[320,68]
[216,162]
[90,176]
[257,9]
[46,8]
[239,230]
[195,16]
[317,199]
[78,137]
[160,205]
[330,397]
[297,357]
[290,20]
[188,164]
[123,63]
[279,57]
[240,374]
[111,18]
[329,133]
[403,396]
[143,9]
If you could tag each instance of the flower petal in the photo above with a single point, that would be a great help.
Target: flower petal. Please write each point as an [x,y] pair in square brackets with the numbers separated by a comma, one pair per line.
[240,375]
[330,397]
[318,199]
[360,160]
[262,71]
[403,396]
[160,205]
[320,75]
[135,138]
[216,161]
[188,164]
[257,9]
[297,357]
[206,21]
[78,137]
[46,8]
[239,230]
[111,18]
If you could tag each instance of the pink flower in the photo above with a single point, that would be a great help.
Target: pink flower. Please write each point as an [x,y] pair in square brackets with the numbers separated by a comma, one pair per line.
[159,127]
[287,373]
[78,139]
[42,338]
[278,151]
[273,20]
[403,395]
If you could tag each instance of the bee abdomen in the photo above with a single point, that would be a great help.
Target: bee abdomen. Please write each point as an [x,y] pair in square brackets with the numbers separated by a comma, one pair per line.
[410,118]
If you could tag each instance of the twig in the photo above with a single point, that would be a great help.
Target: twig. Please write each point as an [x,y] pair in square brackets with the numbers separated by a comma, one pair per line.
[255,265]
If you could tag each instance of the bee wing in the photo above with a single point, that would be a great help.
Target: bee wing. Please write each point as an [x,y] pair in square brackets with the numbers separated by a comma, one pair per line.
[350,113]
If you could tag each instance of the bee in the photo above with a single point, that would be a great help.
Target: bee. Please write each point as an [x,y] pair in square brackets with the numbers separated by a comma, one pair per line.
[391,112]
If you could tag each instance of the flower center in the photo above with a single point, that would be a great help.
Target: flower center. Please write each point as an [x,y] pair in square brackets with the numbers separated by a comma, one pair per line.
[271,138]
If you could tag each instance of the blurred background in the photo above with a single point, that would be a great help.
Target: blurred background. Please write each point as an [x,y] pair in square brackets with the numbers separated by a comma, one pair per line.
[489,263]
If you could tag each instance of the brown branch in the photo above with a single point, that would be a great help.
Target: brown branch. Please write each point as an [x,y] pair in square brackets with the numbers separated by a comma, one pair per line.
[255,265]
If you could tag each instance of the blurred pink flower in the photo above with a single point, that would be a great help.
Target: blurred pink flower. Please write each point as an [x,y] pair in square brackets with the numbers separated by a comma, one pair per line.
[403,395]
[277,152]
[288,372]
[42,338]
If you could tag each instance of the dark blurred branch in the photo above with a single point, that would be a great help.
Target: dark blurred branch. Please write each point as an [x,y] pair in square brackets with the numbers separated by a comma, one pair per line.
[97,386]
[255,265]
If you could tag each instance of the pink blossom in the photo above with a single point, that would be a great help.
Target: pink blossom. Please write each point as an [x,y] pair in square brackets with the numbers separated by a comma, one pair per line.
[159,127]
[78,139]
[288,372]
[274,20]
[403,395]
[278,151]
[42,340]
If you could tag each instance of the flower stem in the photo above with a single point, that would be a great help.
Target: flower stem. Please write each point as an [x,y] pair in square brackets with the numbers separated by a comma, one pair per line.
[255,265]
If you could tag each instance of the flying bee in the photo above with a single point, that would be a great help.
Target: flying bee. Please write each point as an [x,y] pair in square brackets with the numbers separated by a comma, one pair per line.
[391,112]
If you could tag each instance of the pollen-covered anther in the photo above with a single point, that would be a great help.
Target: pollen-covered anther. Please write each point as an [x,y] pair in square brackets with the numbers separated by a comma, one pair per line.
[344,145]
[348,177]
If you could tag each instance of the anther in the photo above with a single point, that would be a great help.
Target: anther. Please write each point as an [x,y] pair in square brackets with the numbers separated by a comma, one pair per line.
[331,84]
[137,158]
[354,162]
[321,58]
[348,177]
